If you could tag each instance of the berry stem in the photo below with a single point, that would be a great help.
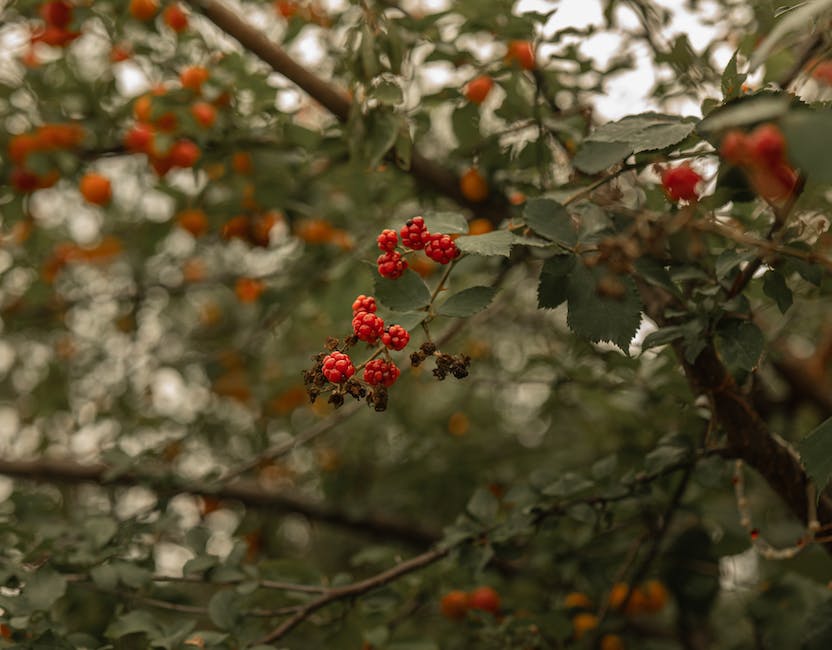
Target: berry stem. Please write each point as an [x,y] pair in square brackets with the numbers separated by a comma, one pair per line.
[378,351]
[441,285]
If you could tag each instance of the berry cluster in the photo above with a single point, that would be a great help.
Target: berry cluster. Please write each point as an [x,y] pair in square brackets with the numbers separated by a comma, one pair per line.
[414,237]
[762,155]
[336,372]
[456,603]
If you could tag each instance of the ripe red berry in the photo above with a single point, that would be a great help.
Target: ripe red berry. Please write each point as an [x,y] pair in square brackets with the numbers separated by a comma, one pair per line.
[441,248]
[478,88]
[415,234]
[337,367]
[767,144]
[175,18]
[680,183]
[395,337]
[364,303]
[484,598]
[367,326]
[23,180]
[184,153]
[387,240]
[56,13]
[454,605]
[380,372]
[391,265]
[734,146]
[139,139]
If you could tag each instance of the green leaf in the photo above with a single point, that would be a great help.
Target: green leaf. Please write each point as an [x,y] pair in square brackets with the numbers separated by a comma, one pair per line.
[809,134]
[732,80]
[743,112]
[550,219]
[448,223]
[816,452]
[552,288]
[567,485]
[404,148]
[224,609]
[467,302]
[466,124]
[407,293]
[775,287]
[100,530]
[497,242]
[740,344]
[387,92]
[44,587]
[105,577]
[138,620]
[382,133]
[663,336]
[483,506]
[799,18]
[200,564]
[594,157]
[602,318]
[646,132]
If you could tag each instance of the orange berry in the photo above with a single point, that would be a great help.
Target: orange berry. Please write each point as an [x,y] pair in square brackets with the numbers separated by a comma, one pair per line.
[96,188]
[583,623]
[236,227]
[248,289]
[577,600]
[204,113]
[119,53]
[194,270]
[55,36]
[60,136]
[314,231]
[241,162]
[260,228]
[286,8]
[184,153]
[175,18]
[473,186]
[479,226]
[20,146]
[139,139]
[57,13]
[618,594]
[517,198]
[193,77]
[458,424]
[655,596]
[454,605]
[478,88]
[734,147]
[521,53]
[194,221]
[484,598]
[143,9]
[611,642]
[143,108]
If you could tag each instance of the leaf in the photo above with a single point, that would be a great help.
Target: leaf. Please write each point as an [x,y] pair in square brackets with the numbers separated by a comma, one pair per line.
[664,457]
[743,112]
[497,242]
[740,344]
[407,293]
[448,223]
[602,318]
[567,485]
[550,219]
[483,506]
[798,18]
[382,133]
[44,587]
[200,564]
[224,609]
[816,452]
[404,148]
[663,336]
[387,92]
[466,124]
[467,302]
[818,628]
[551,290]
[775,287]
[646,132]
[105,577]
[732,81]
[594,157]
[138,620]
[809,134]
[656,274]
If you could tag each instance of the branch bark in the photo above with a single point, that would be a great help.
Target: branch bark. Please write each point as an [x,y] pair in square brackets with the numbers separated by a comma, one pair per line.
[427,172]
[247,492]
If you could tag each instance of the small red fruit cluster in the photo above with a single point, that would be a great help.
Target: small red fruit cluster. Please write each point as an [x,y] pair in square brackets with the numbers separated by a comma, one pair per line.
[680,183]
[762,155]
[336,372]
[414,237]
[456,604]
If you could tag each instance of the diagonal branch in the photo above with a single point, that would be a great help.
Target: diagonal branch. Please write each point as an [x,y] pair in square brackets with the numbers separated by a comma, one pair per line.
[427,172]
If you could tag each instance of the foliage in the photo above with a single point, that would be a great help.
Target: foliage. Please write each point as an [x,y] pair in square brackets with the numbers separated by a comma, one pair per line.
[600,434]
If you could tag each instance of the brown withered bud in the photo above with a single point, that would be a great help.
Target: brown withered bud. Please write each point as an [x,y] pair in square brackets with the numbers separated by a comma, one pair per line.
[416,358]
[378,398]
[331,343]
[428,348]
[336,399]
[355,389]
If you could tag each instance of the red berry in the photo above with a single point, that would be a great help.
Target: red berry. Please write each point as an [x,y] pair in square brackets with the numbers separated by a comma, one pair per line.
[680,183]
[484,598]
[734,146]
[767,144]
[478,88]
[454,605]
[337,367]
[367,326]
[387,240]
[56,13]
[139,139]
[441,248]
[415,234]
[395,337]
[364,303]
[184,153]
[379,371]
[391,265]
[175,18]
[23,180]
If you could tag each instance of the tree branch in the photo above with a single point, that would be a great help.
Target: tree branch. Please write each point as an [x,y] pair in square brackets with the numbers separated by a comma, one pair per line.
[247,492]
[427,172]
